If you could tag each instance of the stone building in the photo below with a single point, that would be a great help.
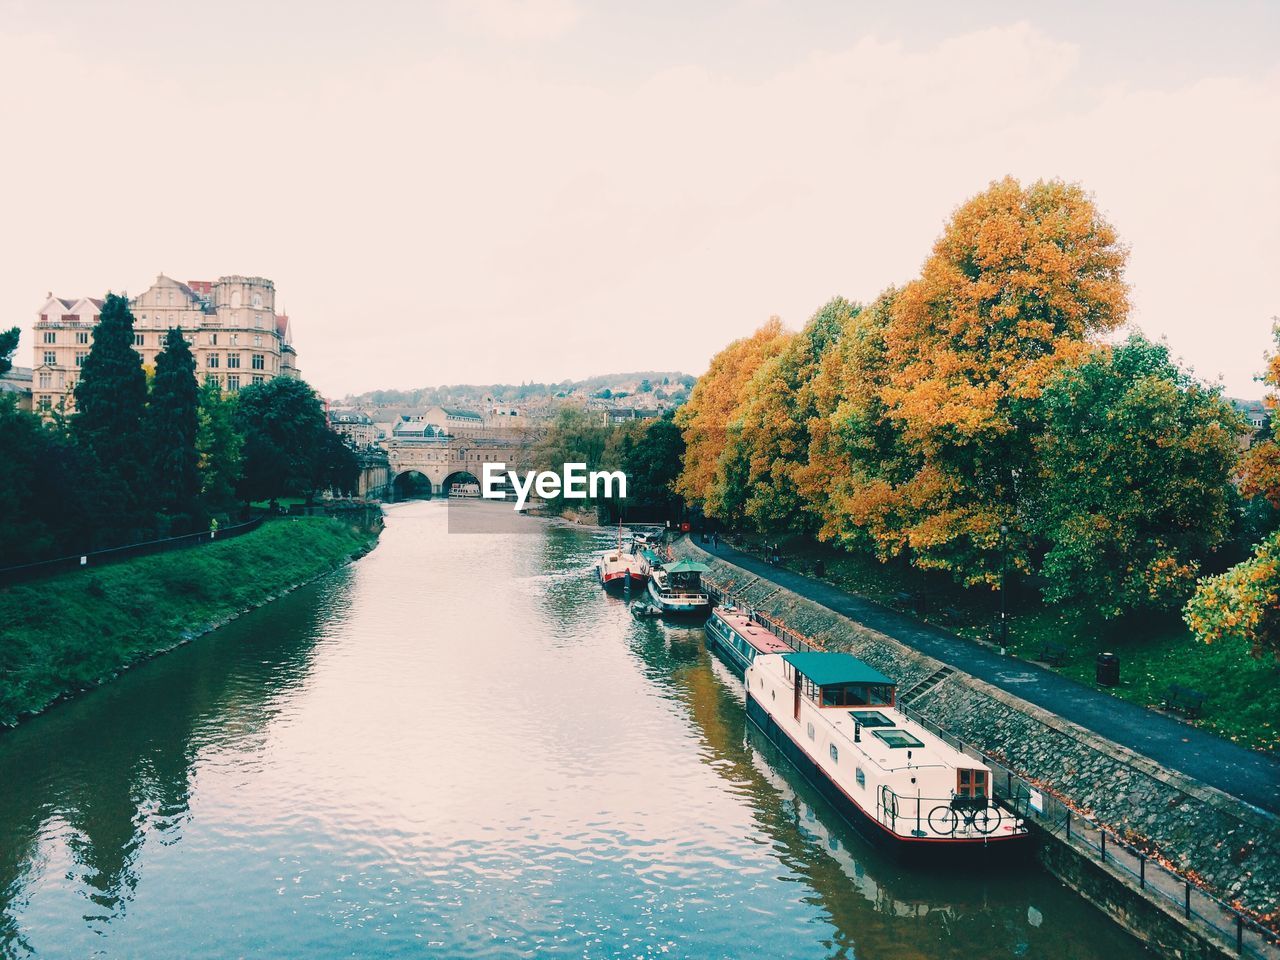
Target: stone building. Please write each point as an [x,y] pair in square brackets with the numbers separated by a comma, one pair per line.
[235,333]
[355,427]
[17,382]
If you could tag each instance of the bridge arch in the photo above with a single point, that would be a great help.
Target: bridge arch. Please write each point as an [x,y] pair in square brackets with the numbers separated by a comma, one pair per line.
[466,482]
[412,485]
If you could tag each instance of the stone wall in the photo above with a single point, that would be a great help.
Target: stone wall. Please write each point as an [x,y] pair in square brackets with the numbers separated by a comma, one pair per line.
[1227,846]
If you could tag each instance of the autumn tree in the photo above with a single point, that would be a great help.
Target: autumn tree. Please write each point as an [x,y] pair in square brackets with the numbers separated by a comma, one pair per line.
[1016,284]
[1260,468]
[856,463]
[714,410]
[1134,479]
[770,446]
[1242,604]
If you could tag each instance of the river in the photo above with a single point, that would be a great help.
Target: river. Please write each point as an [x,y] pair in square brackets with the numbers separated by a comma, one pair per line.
[460,747]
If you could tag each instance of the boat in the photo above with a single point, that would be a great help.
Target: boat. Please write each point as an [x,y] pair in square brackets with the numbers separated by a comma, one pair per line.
[676,588]
[836,719]
[739,639]
[620,568]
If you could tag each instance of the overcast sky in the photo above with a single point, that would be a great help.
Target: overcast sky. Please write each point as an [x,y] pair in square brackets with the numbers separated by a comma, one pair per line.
[508,190]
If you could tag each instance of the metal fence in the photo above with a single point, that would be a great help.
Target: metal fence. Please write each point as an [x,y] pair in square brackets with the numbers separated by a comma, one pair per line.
[96,558]
[1036,804]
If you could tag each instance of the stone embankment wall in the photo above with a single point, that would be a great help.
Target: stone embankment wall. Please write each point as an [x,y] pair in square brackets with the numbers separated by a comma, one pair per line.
[1227,846]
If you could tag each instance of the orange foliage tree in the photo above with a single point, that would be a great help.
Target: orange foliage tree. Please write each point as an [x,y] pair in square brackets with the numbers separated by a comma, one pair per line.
[770,450]
[1260,469]
[714,410]
[1016,284]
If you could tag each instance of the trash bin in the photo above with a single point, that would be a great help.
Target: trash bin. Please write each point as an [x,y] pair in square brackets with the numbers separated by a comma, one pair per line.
[819,568]
[1108,669]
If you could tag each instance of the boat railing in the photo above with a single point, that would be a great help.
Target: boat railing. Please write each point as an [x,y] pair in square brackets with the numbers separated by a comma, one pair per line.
[953,816]
[792,639]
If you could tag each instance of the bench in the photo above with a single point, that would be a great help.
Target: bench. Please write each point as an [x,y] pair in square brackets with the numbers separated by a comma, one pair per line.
[1053,653]
[1185,700]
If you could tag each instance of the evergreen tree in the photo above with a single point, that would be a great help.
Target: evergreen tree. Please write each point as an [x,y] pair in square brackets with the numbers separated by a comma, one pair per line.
[172,426]
[111,398]
[219,449]
[8,344]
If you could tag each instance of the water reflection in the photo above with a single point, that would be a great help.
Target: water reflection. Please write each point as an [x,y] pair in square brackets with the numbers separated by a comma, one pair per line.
[85,787]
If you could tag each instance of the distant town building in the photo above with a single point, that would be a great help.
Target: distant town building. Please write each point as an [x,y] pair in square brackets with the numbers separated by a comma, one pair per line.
[417,427]
[626,414]
[1255,414]
[231,323]
[455,421]
[356,427]
[17,382]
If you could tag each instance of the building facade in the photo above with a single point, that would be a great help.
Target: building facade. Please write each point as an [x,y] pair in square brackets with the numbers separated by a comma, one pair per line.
[354,426]
[231,323]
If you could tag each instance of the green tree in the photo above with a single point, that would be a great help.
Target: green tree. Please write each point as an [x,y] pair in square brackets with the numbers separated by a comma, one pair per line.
[1134,491]
[111,397]
[652,464]
[173,422]
[219,449]
[42,513]
[336,467]
[285,440]
[8,344]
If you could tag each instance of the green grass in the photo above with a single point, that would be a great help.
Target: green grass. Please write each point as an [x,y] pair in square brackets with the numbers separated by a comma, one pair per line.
[73,631]
[1242,694]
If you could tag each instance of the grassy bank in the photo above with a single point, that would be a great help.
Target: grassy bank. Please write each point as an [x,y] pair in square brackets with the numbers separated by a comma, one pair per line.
[72,631]
[1243,694]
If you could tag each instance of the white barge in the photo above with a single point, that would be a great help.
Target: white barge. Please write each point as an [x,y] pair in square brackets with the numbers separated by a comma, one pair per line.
[835,718]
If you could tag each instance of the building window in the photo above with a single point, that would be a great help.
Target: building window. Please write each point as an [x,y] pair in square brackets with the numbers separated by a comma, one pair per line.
[81,355]
[257,302]
[258,361]
[50,358]
[233,359]
[235,339]
[211,360]
[139,339]
[835,754]
[50,336]
[82,337]
[257,320]
[259,379]
[233,383]
[213,339]
[45,403]
[46,379]
[211,378]
[257,339]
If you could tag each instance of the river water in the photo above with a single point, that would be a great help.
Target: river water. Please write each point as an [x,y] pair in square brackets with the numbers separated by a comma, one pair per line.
[460,747]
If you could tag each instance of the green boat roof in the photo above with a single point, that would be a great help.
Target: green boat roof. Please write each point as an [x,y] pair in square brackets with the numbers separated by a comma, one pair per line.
[687,566]
[832,668]
[653,559]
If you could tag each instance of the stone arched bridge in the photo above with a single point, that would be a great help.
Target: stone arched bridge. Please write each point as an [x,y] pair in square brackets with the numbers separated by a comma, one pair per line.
[429,466]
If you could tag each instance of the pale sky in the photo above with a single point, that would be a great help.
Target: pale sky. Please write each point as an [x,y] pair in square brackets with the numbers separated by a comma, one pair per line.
[508,190]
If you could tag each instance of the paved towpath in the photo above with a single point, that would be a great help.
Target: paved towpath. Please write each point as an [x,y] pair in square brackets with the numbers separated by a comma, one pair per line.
[1252,776]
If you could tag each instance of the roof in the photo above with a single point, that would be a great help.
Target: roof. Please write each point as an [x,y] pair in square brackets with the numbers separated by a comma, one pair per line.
[459,412]
[687,566]
[831,668]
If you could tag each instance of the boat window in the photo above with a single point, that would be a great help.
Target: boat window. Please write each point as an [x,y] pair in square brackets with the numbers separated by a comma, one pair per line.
[857,695]
[971,783]
[861,778]
[871,718]
[898,738]
[811,731]
[835,754]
